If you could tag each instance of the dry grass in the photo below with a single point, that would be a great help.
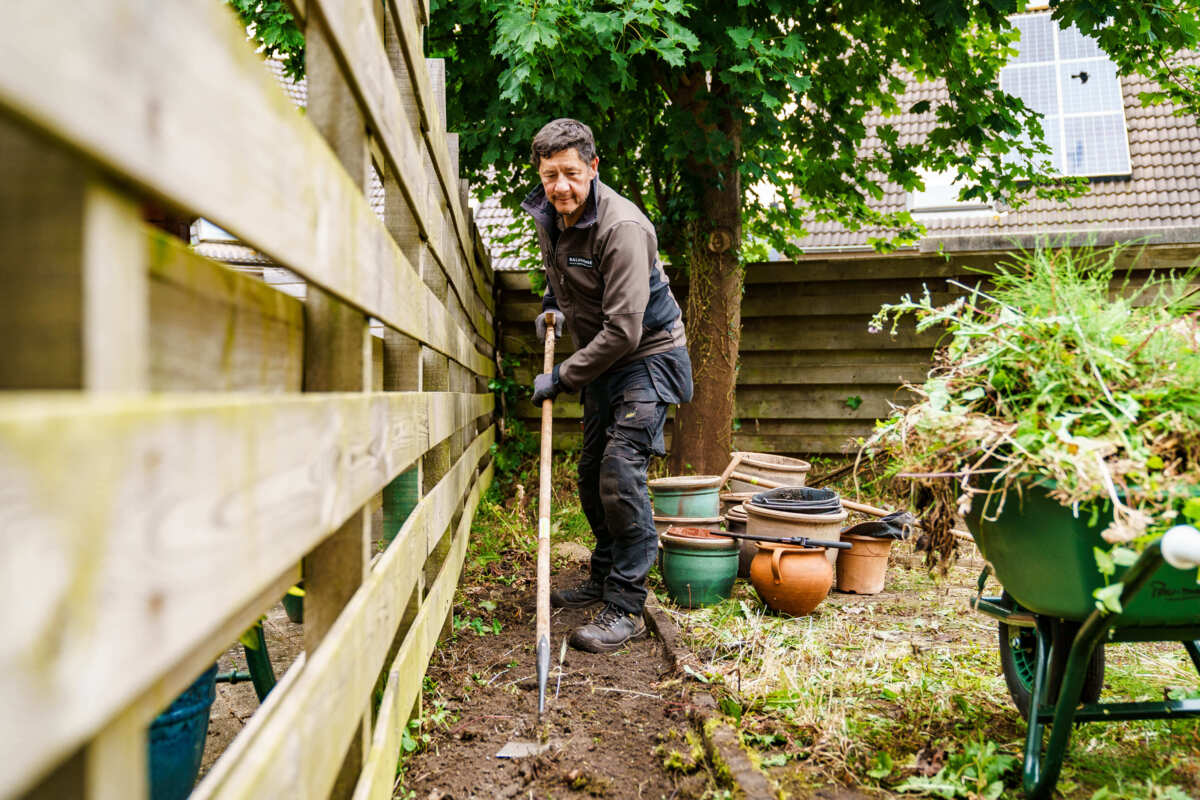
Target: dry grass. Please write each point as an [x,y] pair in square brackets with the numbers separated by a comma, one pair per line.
[912,673]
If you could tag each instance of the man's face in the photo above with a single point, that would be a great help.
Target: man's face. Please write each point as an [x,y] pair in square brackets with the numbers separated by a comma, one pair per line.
[567,179]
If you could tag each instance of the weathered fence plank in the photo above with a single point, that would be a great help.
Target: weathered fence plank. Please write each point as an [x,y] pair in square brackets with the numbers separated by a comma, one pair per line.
[216,329]
[408,668]
[79,319]
[272,182]
[299,751]
[178,502]
[431,124]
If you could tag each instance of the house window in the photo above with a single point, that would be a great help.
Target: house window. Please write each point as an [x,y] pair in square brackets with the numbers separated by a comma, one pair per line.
[1067,78]
[939,198]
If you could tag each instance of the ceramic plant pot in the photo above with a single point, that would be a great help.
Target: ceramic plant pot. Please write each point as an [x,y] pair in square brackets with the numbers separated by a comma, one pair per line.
[735,522]
[790,578]
[686,496]
[781,470]
[861,569]
[731,500]
[699,567]
[781,524]
[175,741]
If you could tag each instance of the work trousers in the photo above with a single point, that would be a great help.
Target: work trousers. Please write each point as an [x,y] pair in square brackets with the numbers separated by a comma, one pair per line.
[623,420]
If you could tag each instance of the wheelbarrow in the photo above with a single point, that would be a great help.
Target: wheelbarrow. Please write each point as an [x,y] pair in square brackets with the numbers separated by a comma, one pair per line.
[1051,633]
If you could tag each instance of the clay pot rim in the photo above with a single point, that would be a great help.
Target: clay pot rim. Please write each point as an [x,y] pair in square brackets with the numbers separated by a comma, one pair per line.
[735,496]
[689,522]
[791,516]
[787,546]
[692,543]
[796,465]
[738,513]
[683,482]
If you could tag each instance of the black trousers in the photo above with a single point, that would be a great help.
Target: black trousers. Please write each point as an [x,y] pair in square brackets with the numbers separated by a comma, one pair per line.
[623,420]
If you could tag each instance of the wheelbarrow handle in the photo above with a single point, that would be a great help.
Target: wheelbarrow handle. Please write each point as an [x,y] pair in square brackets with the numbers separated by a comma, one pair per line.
[1181,547]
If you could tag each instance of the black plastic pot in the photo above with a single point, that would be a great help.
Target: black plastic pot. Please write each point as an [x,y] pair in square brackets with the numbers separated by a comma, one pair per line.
[799,500]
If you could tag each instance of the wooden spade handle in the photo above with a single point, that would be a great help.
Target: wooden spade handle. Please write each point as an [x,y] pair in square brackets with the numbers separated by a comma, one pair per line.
[543,539]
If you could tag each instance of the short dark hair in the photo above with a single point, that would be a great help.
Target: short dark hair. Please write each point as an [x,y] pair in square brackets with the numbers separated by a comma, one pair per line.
[562,134]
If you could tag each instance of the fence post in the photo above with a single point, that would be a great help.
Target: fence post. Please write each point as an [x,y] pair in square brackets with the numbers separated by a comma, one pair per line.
[337,357]
[74,313]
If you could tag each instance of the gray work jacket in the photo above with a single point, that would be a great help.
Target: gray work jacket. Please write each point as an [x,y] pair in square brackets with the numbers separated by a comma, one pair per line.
[604,275]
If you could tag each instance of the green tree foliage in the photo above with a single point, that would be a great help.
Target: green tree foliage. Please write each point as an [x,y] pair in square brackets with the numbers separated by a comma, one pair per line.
[760,108]
[273,26]
[797,79]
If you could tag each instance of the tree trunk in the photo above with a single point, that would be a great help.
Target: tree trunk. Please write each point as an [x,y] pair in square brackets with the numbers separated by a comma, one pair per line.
[703,435]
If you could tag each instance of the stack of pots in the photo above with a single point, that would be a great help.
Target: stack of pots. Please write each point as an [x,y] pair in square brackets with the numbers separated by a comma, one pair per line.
[757,471]
[788,577]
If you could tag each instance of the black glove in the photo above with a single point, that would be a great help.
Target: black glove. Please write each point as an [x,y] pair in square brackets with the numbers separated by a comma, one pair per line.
[544,387]
[539,324]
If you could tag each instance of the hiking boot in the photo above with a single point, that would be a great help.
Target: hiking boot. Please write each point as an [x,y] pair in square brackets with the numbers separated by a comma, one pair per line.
[608,631]
[579,596]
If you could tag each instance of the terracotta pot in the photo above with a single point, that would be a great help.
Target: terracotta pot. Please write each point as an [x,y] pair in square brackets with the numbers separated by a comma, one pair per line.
[790,578]
[780,524]
[861,569]
[782,470]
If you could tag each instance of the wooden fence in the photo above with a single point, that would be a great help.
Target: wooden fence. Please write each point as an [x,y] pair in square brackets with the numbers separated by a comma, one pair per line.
[812,377]
[207,434]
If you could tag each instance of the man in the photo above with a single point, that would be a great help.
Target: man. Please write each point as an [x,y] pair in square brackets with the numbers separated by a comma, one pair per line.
[630,363]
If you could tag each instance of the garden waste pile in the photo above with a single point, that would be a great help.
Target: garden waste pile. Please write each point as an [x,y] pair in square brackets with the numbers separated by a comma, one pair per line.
[1063,371]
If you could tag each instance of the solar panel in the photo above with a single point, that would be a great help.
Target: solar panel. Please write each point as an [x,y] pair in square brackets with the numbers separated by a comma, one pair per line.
[1067,78]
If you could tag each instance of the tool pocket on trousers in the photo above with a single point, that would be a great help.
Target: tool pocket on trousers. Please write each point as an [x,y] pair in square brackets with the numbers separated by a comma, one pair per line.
[639,424]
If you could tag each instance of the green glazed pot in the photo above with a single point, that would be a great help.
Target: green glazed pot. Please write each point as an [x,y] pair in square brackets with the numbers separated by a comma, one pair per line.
[699,574]
[686,496]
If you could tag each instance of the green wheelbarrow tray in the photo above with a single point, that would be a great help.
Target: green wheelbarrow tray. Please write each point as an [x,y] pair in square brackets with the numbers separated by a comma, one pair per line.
[1042,554]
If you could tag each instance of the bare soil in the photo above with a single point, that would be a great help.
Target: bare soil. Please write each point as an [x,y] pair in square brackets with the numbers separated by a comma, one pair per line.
[236,703]
[610,719]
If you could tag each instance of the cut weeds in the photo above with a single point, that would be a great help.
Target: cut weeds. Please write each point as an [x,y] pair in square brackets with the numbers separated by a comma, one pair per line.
[1064,371]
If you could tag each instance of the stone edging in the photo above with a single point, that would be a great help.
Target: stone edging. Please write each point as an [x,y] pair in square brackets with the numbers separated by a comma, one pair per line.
[721,743]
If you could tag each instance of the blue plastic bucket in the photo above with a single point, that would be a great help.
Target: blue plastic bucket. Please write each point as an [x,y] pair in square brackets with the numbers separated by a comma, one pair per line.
[176,739]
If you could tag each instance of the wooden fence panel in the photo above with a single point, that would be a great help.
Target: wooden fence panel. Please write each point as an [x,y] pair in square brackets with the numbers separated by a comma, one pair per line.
[155,509]
[812,378]
[271,181]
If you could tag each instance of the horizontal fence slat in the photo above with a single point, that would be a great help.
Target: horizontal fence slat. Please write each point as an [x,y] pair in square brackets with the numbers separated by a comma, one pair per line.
[216,328]
[409,29]
[130,527]
[354,33]
[299,751]
[271,180]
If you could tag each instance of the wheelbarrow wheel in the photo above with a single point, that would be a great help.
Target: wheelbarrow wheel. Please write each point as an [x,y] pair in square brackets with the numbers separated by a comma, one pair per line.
[1018,661]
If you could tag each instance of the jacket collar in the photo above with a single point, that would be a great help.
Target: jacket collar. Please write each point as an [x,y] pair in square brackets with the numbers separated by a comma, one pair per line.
[543,213]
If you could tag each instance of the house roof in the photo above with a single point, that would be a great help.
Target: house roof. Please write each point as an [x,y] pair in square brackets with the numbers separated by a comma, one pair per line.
[1159,200]
[494,220]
